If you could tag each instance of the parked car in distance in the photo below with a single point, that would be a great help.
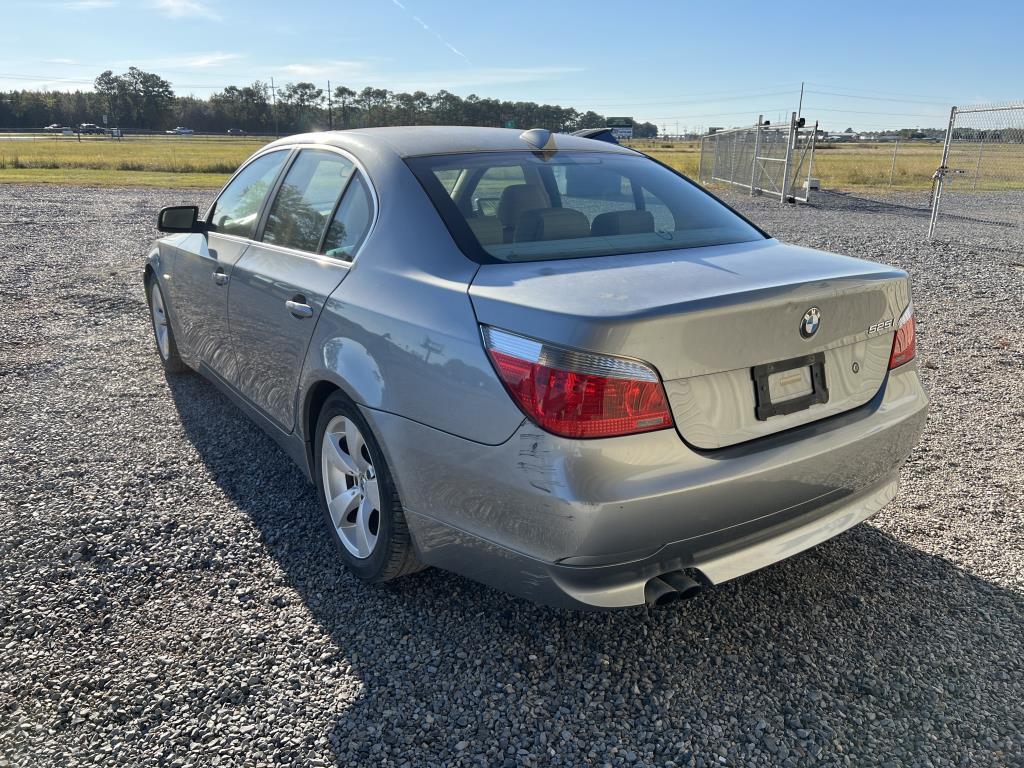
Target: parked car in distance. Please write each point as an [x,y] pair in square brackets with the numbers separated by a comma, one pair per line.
[597,134]
[236,132]
[90,128]
[548,363]
[180,131]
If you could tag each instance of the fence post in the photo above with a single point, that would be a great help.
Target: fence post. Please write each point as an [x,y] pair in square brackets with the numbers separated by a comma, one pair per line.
[810,163]
[940,175]
[732,158]
[700,166]
[789,159]
[977,168]
[757,150]
[892,168]
[714,156]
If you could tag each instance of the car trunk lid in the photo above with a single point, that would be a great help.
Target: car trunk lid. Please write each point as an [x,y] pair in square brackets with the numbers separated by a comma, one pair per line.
[715,322]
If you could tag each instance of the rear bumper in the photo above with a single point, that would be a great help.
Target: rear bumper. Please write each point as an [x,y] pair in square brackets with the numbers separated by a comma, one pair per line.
[621,585]
[588,523]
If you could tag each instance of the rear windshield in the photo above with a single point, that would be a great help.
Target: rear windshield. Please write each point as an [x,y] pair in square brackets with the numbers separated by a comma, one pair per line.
[538,206]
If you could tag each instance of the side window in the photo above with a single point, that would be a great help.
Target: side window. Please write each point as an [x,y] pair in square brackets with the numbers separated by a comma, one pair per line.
[238,207]
[350,222]
[303,204]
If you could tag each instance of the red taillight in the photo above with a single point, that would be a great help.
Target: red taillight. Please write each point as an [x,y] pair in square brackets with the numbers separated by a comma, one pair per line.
[578,394]
[904,343]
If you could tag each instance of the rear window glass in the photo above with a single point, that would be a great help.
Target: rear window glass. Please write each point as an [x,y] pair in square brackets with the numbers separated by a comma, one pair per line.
[532,206]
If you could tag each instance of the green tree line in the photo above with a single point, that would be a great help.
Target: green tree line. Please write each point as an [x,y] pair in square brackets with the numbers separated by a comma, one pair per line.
[138,100]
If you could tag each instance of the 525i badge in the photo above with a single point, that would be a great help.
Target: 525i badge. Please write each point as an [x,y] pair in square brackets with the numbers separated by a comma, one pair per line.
[882,326]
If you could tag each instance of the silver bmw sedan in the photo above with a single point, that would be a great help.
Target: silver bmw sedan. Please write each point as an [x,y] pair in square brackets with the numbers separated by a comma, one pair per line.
[545,362]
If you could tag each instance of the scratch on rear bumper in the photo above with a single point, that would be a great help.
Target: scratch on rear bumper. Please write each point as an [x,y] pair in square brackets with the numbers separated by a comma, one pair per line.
[622,585]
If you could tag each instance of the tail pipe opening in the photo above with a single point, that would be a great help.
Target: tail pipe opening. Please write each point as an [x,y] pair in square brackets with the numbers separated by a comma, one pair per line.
[671,587]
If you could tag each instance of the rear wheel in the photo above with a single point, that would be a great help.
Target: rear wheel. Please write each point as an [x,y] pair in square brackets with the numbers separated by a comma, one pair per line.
[358,497]
[162,331]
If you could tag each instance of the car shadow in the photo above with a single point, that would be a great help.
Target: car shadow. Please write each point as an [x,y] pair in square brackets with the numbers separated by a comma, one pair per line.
[862,647]
[848,201]
[917,209]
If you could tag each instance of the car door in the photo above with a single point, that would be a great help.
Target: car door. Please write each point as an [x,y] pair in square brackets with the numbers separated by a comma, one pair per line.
[203,263]
[317,219]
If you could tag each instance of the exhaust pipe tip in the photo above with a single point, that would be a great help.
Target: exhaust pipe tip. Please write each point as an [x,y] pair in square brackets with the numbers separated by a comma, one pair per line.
[670,588]
[686,586]
[659,593]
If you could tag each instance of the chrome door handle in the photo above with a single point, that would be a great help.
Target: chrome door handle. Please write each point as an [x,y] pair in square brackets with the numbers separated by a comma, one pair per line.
[220,277]
[299,309]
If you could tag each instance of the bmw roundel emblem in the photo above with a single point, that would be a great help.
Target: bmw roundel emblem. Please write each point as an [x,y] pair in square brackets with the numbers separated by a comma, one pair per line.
[810,322]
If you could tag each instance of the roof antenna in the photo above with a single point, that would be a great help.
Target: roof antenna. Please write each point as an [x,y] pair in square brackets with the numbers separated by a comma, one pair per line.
[540,138]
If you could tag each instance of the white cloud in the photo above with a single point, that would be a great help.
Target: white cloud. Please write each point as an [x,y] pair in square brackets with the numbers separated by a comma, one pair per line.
[206,60]
[178,9]
[359,74]
[209,60]
[89,5]
[334,69]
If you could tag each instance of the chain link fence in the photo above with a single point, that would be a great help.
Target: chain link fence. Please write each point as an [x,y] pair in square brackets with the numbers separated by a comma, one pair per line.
[763,159]
[980,182]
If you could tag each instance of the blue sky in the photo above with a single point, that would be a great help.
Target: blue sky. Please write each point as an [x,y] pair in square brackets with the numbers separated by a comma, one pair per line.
[679,64]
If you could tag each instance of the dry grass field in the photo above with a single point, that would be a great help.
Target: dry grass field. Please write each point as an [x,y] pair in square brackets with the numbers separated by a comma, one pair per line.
[857,165]
[203,161]
[151,161]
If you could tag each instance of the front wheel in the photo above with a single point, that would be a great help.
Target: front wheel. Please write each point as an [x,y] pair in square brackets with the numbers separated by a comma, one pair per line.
[166,346]
[358,497]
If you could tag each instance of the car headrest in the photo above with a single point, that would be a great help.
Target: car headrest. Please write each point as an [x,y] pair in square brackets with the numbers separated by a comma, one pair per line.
[516,199]
[551,224]
[487,230]
[622,223]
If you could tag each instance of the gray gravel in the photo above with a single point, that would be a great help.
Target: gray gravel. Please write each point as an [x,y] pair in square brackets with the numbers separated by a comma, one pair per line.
[167,596]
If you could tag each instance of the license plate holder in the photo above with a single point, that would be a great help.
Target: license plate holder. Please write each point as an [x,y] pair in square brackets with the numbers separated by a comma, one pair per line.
[764,407]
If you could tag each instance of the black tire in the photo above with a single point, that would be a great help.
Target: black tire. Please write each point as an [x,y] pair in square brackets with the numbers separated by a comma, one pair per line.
[393,555]
[171,361]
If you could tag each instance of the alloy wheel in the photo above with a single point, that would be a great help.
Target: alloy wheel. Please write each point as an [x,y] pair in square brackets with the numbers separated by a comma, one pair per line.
[159,314]
[351,487]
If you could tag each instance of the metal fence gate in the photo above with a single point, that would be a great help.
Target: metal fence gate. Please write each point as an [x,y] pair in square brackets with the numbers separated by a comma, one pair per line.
[978,190]
[764,159]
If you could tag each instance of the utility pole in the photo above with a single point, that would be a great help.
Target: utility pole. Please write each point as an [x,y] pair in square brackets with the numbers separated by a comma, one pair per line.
[330,112]
[800,107]
[273,95]
[892,168]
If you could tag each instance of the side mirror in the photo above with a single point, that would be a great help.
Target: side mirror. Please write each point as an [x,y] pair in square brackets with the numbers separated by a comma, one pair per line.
[180,218]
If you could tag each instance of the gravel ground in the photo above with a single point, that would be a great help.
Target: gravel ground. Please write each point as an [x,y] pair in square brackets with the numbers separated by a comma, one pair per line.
[167,595]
